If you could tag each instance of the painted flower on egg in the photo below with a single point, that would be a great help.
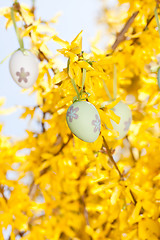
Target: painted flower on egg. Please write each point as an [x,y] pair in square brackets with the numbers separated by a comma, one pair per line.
[123,111]
[22,75]
[96,123]
[24,68]
[127,124]
[72,113]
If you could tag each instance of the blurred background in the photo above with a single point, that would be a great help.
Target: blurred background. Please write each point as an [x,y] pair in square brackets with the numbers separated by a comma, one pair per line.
[76,15]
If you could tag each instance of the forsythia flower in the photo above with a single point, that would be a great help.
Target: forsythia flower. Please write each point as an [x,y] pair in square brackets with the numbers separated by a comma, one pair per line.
[55,186]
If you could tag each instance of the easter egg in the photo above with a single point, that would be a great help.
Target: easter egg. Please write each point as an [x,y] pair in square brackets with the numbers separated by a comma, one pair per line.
[123,111]
[23,67]
[84,121]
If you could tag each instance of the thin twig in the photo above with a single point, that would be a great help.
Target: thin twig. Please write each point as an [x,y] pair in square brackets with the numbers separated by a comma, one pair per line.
[148,22]
[42,56]
[82,197]
[121,36]
[134,200]
[42,123]
[32,190]
[158,2]
[2,192]
[85,210]
[111,158]
[45,170]
[33,8]
[120,174]
[64,144]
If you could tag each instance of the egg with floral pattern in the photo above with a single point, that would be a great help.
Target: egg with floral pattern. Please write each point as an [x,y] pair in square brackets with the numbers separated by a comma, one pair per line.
[23,67]
[84,121]
[123,111]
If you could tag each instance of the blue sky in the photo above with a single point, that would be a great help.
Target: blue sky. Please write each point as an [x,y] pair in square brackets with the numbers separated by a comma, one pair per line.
[76,15]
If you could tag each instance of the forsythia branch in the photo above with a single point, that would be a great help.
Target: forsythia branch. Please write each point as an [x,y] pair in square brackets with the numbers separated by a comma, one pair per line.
[2,192]
[131,149]
[111,158]
[120,174]
[121,36]
[85,210]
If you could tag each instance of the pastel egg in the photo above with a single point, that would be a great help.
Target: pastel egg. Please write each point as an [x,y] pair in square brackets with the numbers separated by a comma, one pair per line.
[84,121]
[23,67]
[123,111]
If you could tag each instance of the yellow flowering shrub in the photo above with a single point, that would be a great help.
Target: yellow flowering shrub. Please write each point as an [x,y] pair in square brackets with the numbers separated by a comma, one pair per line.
[69,189]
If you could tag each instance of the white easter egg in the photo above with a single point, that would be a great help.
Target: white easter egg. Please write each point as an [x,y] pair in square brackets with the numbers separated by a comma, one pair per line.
[24,68]
[84,121]
[123,111]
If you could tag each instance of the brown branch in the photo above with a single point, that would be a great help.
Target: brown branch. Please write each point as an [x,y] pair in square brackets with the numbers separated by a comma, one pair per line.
[131,149]
[134,200]
[64,144]
[42,123]
[121,36]
[19,233]
[32,190]
[42,56]
[158,2]
[33,8]
[148,22]
[111,158]
[144,29]
[85,212]
[45,170]
[120,174]
[82,197]
[2,192]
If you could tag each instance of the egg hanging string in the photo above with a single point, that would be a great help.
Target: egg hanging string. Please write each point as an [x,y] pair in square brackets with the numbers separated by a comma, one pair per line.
[17,33]
[20,40]
[73,82]
[114,86]
[7,56]
[83,81]
[107,90]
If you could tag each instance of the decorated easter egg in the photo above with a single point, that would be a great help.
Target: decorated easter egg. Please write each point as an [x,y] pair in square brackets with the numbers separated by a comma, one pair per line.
[84,121]
[123,111]
[23,67]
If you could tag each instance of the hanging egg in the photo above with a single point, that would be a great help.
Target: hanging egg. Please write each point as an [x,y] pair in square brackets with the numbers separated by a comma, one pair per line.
[123,111]
[23,67]
[84,121]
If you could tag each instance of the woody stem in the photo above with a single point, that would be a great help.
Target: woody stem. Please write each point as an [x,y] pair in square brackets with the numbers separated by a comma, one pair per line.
[114,163]
[111,158]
